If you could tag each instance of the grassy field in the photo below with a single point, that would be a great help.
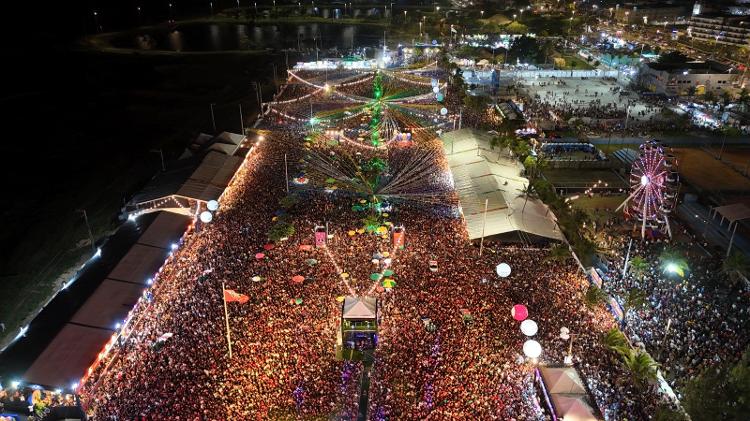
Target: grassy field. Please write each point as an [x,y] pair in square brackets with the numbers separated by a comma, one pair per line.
[582,178]
[575,63]
[597,202]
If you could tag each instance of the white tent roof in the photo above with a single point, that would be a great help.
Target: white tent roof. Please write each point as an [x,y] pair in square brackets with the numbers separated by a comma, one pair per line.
[572,408]
[562,380]
[479,174]
[358,308]
[734,212]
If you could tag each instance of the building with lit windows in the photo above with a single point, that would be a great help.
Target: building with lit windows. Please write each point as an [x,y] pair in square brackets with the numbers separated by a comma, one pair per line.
[721,29]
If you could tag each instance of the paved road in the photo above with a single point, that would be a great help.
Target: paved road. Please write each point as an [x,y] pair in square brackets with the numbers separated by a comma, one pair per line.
[679,140]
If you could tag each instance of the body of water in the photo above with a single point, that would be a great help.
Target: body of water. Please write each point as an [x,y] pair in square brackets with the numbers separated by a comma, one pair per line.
[196,37]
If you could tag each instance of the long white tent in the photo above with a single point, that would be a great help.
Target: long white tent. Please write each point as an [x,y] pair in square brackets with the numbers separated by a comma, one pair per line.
[482,174]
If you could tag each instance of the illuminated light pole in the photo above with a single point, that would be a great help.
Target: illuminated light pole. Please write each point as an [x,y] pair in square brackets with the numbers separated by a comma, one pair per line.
[481,14]
[88,228]
[96,21]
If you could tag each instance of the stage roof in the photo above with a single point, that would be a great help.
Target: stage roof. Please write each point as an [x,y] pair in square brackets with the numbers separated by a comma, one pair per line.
[562,380]
[108,305]
[358,308]
[139,264]
[481,174]
[572,408]
[166,230]
[203,181]
[68,356]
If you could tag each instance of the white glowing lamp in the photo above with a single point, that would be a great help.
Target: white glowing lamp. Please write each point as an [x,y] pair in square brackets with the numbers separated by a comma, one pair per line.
[529,327]
[532,349]
[503,270]
[206,217]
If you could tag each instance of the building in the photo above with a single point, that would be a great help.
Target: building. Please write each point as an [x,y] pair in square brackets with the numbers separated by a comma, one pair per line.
[721,29]
[690,78]
[652,14]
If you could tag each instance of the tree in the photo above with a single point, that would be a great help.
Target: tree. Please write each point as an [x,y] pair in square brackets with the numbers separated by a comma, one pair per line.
[521,148]
[615,340]
[280,230]
[594,296]
[666,413]
[528,192]
[673,57]
[289,201]
[559,253]
[721,392]
[709,96]
[638,266]
[635,299]
[744,96]
[525,49]
[643,368]
[477,103]
[726,96]
[735,266]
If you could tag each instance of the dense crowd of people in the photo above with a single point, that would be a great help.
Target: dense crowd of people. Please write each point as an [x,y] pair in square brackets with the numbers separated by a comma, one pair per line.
[173,361]
[689,323]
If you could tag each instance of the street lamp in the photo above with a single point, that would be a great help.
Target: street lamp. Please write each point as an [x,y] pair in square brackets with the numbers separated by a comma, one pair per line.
[481,13]
[514,16]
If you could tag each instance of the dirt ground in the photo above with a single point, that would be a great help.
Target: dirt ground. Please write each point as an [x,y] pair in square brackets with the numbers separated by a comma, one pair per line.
[700,169]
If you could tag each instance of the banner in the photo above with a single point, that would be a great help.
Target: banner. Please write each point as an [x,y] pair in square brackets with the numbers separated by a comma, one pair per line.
[320,236]
[398,237]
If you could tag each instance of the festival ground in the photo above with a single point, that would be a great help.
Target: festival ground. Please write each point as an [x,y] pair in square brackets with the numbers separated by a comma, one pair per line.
[338,142]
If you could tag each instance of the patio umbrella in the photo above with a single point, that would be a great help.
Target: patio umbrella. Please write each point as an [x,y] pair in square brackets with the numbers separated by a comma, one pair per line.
[375,276]
[387,272]
[389,283]
[260,255]
[268,246]
[298,279]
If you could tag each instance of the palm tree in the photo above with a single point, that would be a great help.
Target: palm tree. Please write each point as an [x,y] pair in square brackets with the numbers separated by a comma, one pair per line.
[635,299]
[529,192]
[642,367]
[735,267]
[594,296]
[615,340]
[638,266]
[559,253]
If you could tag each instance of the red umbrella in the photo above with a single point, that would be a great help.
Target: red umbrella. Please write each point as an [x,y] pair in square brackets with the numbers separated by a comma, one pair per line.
[298,279]
[305,247]
[268,246]
[259,255]
[379,288]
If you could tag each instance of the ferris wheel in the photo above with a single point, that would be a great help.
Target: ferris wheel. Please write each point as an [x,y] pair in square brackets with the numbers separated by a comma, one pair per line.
[654,184]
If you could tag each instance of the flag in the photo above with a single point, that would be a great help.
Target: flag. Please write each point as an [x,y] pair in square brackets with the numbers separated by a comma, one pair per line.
[231,295]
